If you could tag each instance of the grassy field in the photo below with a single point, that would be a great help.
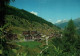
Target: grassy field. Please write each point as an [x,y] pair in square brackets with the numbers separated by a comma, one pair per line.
[0,51]
[30,44]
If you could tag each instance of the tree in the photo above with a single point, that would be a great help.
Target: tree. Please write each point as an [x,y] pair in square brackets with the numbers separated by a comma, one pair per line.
[69,37]
[68,45]
[3,4]
[3,43]
[70,31]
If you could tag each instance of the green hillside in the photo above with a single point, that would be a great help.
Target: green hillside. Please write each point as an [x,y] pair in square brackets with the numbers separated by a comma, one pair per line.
[26,15]
[19,20]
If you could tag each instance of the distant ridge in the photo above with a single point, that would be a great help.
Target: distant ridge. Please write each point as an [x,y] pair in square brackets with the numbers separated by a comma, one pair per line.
[76,22]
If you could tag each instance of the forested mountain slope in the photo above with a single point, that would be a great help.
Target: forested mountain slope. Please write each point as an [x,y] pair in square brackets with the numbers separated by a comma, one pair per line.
[19,20]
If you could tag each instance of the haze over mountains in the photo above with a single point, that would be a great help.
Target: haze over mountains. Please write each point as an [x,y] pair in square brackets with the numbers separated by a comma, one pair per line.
[62,24]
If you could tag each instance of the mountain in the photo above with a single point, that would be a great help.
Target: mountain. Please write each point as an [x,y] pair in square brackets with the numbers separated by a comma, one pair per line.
[63,24]
[77,24]
[18,20]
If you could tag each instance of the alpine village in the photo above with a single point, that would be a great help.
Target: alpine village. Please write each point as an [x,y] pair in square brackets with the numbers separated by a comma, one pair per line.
[25,34]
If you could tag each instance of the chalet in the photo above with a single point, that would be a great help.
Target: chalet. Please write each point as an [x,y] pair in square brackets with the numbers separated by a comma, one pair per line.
[26,32]
[38,36]
[31,35]
[33,32]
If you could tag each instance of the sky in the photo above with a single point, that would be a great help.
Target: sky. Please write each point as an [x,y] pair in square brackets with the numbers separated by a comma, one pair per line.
[51,10]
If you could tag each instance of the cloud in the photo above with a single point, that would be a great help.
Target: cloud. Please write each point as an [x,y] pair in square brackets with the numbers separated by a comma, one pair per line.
[58,21]
[35,13]
[61,21]
[50,20]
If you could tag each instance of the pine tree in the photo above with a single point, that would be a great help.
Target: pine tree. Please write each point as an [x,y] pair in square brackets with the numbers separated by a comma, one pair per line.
[70,32]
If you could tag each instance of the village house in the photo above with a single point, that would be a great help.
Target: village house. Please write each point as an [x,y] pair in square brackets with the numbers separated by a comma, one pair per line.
[38,37]
[26,32]
[31,35]
[34,32]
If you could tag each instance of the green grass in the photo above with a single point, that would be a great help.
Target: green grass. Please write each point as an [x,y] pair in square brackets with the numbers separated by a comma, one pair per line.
[0,51]
[31,44]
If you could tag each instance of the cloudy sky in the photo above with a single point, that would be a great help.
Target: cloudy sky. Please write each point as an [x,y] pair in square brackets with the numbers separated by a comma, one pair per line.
[51,10]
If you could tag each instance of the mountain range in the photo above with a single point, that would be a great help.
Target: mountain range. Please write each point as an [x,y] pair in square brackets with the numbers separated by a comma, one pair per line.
[63,24]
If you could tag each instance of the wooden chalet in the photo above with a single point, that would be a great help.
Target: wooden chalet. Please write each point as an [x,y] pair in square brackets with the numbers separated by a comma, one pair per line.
[33,32]
[31,35]
[38,36]
[26,32]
